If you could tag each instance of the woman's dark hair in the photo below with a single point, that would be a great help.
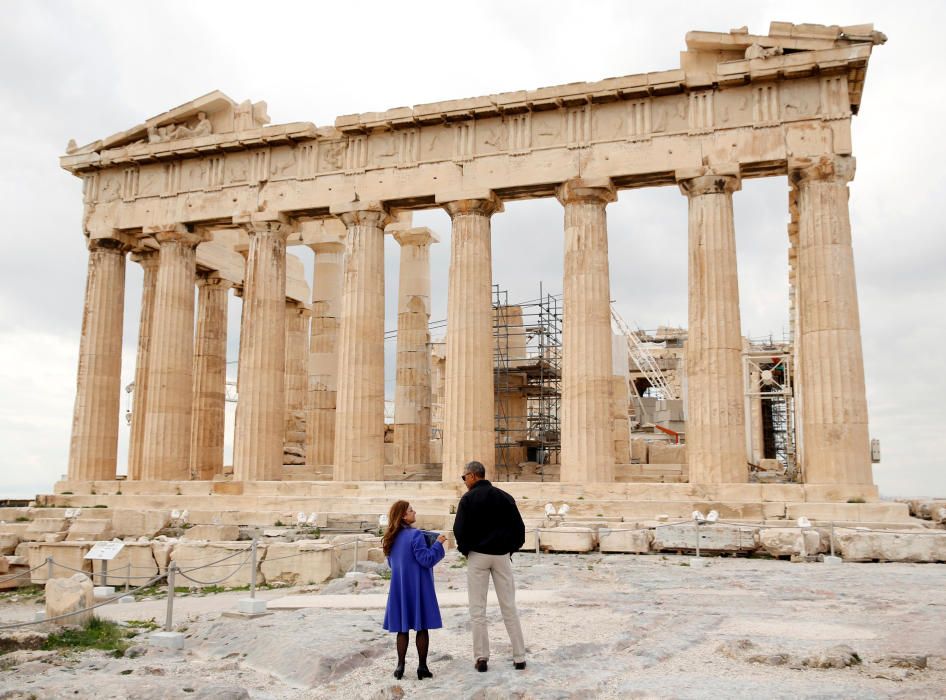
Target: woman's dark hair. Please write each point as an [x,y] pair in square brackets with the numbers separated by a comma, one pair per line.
[395,525]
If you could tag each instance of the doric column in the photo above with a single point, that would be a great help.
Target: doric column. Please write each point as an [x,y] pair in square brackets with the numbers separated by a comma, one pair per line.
[323,355]
[834,433]
[359,412]
[148,259]
[165,453]
[586,424]
[261,408]
[412,391]
[716,425]
[210,377]
[468,429]
[297,353]
[93,450]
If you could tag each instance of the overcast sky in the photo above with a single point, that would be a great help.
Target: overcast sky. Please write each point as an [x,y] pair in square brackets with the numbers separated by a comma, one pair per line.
[85,70]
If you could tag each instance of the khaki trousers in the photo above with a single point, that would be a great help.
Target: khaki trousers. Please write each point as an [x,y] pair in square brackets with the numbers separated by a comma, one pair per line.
[478,570]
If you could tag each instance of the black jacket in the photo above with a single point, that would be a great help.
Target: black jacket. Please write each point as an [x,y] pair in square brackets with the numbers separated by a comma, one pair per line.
[488,521]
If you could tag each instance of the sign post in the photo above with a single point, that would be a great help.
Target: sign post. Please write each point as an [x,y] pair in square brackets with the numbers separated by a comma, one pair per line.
[104,552]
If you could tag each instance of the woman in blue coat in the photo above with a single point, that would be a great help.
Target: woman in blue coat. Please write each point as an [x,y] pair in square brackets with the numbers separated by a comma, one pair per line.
[412,600]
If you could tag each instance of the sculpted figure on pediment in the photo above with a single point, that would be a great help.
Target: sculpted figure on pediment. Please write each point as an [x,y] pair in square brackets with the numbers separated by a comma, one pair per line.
[174,132]
[249,115]
[758,51]
[333,153]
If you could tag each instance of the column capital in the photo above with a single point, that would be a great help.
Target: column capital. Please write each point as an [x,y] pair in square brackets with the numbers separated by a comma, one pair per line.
[480,202]
[709,179]
[109,245]
[327,247]
[146,257]
[420,235]
[366,213]
[167,233]
[277,227]
[586,191]
[826,168]
[212,279]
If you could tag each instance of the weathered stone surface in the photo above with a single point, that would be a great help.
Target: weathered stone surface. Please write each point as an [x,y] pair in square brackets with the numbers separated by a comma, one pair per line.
[12,640]
[8,543]
[87,530]
[38,528]
[567,539]
[619,540]
[345,550]
[135,560]
[71,597]
[64,554]
[713,538]
[790,541]
[302,562]
[212,561]
[666,453]
[136,523]
[863,545]
[212,533]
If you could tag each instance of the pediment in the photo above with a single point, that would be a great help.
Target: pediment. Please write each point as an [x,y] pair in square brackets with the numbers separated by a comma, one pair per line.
[210,114]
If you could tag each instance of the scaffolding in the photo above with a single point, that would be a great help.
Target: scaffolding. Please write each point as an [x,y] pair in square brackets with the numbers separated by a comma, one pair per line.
[770,383]
[527,351]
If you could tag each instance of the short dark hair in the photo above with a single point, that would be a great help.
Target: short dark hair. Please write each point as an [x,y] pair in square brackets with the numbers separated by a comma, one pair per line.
[476,468]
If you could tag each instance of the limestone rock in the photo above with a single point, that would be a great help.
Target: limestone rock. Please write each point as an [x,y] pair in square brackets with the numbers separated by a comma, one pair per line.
[713,538]
[12,640]
[864,545]
[217,560]
[632,541]
[136,523]
[37,530]
[298,562]
[8,543]
[840,656]
[790,541]
[212,533]
[567,539]
[90,531]
[68,596]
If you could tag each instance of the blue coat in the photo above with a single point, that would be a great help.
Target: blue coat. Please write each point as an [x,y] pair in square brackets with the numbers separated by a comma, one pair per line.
[412,600]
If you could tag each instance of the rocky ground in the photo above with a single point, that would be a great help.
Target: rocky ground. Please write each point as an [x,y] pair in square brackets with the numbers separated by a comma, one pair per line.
[597,626]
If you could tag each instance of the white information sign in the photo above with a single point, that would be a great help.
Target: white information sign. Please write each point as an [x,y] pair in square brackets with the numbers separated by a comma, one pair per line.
[105,551]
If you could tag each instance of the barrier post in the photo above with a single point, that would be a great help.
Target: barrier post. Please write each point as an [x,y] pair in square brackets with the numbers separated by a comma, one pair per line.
[253,569]
[172,570]
[49,568]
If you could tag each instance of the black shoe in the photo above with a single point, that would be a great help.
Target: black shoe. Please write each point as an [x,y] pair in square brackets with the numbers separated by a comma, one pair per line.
[481,665]
[423,672]
[399,671]
[519,665]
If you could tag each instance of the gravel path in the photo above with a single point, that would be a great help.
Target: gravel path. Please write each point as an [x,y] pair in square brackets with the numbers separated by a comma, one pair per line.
[596,626]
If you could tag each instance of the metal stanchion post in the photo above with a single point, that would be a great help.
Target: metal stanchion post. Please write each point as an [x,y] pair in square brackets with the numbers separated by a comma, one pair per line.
[696,527]
[832,558]
[354,564]
[832,539]
[253,569]
[538,549]
[49,568]
[172,569]
[167,637]
[127,575]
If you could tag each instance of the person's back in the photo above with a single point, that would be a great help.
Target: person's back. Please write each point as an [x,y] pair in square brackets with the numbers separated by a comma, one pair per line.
[489,528]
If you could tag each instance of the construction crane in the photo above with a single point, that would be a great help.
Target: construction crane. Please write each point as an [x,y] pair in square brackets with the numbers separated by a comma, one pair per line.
[642,358]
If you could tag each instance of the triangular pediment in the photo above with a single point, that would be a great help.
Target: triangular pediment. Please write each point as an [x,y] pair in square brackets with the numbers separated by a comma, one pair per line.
[213,113]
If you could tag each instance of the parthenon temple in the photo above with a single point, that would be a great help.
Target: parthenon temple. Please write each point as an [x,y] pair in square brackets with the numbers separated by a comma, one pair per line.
[209,196]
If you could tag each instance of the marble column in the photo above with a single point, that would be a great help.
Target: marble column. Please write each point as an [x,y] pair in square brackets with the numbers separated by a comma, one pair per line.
[210,377]
[586,423]
[835,443]
[469,419]
[165,455]
[716,422]
[93,449]
[148,259]
[323,355]
[261,408]
[359,412]
[412,390]
[297,352]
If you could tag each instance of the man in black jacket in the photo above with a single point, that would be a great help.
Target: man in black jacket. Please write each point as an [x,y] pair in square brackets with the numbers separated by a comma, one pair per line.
[489,528]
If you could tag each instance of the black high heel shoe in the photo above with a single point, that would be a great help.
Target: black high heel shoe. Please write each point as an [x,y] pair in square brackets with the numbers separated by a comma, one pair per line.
[399,671]
[423,672]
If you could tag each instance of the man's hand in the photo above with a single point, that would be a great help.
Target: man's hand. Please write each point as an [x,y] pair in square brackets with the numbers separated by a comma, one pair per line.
[442,539]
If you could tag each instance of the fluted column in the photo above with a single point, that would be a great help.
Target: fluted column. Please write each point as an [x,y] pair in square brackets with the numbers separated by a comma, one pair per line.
[716,424]
[586,424]
[148,259]
[165,453]
[93,449]
[323,355]
[359,412]
[834,437]
[412,391]
[469,418]
[297,352]
[210,377]
[261,408]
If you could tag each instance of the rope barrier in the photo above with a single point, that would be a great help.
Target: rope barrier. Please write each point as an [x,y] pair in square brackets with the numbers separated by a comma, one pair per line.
[22,573]
[214,583]
[16,625]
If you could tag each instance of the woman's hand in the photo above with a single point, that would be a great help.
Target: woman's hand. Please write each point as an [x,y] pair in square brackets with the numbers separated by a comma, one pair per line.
[442,539]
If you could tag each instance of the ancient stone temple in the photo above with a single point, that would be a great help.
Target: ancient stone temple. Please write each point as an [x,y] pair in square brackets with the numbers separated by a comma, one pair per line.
[208,197]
